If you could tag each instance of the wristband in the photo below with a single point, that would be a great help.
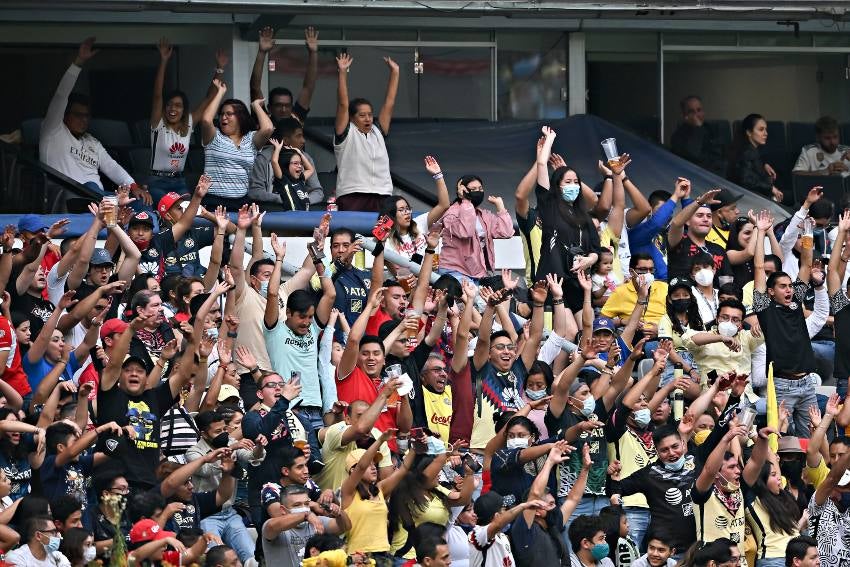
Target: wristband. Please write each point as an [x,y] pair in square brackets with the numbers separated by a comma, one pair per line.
[645,302]
[437,176]
[232,335]
[219,71]
[625,178]
[609,178]
[536,304]
[255,369]
[430,250]
[557,302]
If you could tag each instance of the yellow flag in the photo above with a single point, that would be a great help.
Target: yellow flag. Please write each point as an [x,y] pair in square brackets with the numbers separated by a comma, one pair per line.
[772,410]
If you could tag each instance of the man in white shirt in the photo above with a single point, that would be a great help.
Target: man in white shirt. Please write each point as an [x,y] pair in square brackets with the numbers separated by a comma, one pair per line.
[42,547]
[827,156]
[65,144]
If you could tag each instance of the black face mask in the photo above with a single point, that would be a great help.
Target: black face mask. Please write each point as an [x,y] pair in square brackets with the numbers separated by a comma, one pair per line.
[220,441]
[792,470]
[475,197]
[681,305]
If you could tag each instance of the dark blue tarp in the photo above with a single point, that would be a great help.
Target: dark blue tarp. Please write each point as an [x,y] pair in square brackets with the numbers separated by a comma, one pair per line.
[502,153]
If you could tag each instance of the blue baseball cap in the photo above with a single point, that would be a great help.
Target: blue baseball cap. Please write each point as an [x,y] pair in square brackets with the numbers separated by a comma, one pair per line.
[604,324]
[31,223]
[101,257]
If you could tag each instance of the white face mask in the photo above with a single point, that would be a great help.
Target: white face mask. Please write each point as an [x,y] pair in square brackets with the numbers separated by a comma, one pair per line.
[727,328]
[517,443]
[89,553]
[647,279]
[704,276]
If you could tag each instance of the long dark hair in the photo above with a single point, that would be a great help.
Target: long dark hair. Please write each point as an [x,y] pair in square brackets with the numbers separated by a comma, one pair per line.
[389,207]
[412,497]
[740,141]
[17,452]
[781,508]
[694,320]
[284,159]
[574,213]
[72,544]
[243,117]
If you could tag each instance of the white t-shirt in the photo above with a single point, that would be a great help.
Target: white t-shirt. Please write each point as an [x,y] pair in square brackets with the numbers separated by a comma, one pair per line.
[457,540]
[498,552]
[813,158]
[23,557]
[56,284]
[410,246]
[82,159]
[707,309]
[170,149]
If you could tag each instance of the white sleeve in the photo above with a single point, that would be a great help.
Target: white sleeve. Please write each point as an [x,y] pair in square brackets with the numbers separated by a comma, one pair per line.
[56,108]
[55,284]
[758,375]
[817,318]
[553,346]
[111,168]
[802,163]
[792,231]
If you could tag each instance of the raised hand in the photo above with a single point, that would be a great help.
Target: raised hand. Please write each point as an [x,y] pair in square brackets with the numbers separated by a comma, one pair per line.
[708,198]
[844,221]
[220,85]
[391,64]
[165,49]
[548,132]
[86,51]
[624,160]
[556,161]
[67,300]
[203,186]
[497,202]
[584,280]
[221,58]
[244,218]
[266,39]
[279,246]
[344,61]
[311,39]
[58,228]
[169,350]
[764,221]
[278,144]
[221,218]
[682,189]
[291,390]
[814,416]
[244,357]
[814,195]
[832,405]
[509,280]
[207,345]
[431,165]
[538,292]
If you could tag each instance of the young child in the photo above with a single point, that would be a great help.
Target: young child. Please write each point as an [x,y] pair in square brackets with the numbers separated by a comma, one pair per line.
[624,550]
[602,279]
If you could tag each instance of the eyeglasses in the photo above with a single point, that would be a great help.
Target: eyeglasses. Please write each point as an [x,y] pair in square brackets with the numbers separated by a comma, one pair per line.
[641,271]
[504,346]
[273,385]
[403,210]
[438,369]
[53,531]
[727,319]
[229,114]
[120,491]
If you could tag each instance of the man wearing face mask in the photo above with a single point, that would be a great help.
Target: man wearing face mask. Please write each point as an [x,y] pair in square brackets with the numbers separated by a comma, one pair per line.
[226,524]
[42,547]
[723,214]
[623,300]
[728,349]
[468,231]
[285,536]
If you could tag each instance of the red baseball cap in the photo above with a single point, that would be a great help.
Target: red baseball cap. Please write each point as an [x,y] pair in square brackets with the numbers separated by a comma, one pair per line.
[148,530]
[168,200]
[112,326]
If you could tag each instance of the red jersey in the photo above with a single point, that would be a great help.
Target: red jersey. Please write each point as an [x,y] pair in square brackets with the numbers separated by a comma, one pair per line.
[13,374]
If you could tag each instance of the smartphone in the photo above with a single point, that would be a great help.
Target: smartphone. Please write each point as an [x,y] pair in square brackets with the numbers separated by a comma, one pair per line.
[417,432]
[712,376]
[175,324]
[470,461]
[295,377]
[382,228]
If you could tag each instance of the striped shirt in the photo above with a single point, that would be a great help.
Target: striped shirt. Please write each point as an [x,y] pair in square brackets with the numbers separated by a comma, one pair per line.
[229,165]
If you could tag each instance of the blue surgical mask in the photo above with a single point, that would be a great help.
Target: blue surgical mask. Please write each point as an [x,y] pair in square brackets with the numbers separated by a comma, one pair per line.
[570,192]
[677,465]
[599,551]
[53,545]
[435,446]
[642,417]
[589,406]
[264,288]
[535,395]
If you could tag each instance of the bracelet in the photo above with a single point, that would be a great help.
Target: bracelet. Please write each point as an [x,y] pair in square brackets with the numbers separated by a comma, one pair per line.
[609,178]
[255,369]
[430,250]
[219,233]
[219,71]
[625,178]
[611,368]
[536,304]
[645,302]
[437,176]
[232,335]
[557,302]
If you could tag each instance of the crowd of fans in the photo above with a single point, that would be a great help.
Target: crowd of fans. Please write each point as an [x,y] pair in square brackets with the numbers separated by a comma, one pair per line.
[618,404]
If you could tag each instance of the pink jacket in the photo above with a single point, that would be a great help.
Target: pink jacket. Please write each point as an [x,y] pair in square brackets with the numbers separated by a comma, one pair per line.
[461,249]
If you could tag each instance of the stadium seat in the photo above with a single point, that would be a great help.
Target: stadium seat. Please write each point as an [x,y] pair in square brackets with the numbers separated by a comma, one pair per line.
[30,131]
[142,132]
[140,161]
[799,134]
[723,129]
[114,133]
[833,186]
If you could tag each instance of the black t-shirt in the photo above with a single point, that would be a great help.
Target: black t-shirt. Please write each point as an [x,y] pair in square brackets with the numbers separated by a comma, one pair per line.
[838,303]
[202,505]
[668,494]
[294,195]
[153,257]
[105,530]
[679,259]
[184,258]
[595,438]
[143,413]
[37,308]
[785,333]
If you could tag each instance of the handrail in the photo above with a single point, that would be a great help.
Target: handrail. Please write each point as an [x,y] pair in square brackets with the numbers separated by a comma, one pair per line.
[427,197]
[54,175]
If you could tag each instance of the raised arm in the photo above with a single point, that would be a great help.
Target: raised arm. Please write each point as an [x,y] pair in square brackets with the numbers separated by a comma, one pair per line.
[461,337]
[237,255]
[271,316]
[763,222]
[326,303]
[343,63]
[59,102]
[543,153]
[208,129]
[482,346]
[349,485]
[831,481]
[352,346]
[715,458]
[538,295]
[443,200]
[640,206]
[386,115]
[266,44]
[753,467]
[182,226]
[677,225]
[39,243]
[264,123]
[39,346]
[311,40]
[178,478]
[165,51]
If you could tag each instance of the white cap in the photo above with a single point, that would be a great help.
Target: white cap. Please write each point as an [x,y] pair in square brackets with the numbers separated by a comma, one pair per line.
[18,244]
[845,479]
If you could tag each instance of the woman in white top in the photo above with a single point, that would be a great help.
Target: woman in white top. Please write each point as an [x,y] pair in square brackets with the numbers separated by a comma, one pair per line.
[408,233]
[230,148]
[361,154]
[171,128]
[705,294]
